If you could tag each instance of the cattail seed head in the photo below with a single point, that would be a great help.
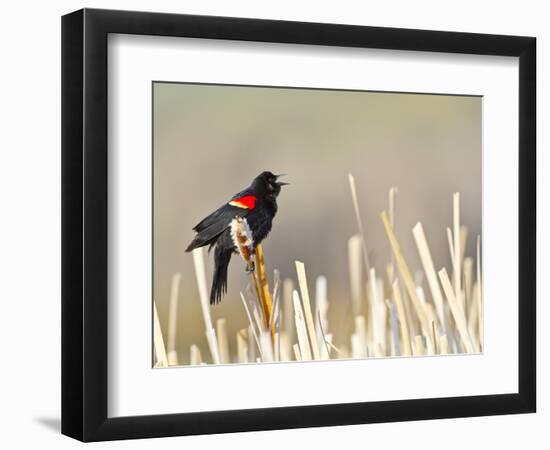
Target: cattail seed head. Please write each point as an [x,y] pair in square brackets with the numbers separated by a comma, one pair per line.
[242,239]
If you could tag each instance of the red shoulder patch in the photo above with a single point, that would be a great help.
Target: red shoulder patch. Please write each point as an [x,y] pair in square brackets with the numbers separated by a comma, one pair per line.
[246,202]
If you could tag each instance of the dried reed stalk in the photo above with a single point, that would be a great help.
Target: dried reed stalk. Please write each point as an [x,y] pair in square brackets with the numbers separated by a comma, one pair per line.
[399,319]
[406,349]
[288,331]
[429,270]
[431,344]
[158,340]
[405,274]
[467,271]
[478,286]
[196,358]
[297,353]
[200,275]
[360,334]
[392,194]
[301,328]
[355,256]
[223,342]
[250,316]
[242,346]
[457,265]
[321,308]
[419,346]
[377,315]
[324,340]
[172,320]
[353,190]
[456,309]
[443,345]
[302,280]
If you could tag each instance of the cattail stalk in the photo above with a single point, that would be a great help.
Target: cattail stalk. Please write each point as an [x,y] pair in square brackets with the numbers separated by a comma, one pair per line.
[263,283]
[254,259]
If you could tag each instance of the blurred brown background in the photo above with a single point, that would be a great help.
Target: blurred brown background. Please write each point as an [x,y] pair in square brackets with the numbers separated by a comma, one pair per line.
[210,141]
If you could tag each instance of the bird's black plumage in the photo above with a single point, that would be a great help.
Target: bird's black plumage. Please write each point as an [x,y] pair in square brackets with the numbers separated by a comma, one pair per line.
[257,204]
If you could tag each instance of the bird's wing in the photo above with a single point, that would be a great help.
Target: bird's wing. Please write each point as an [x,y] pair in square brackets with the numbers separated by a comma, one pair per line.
[209,228]
[214,224]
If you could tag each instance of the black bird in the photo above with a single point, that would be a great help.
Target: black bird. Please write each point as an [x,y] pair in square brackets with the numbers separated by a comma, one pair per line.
[257,204]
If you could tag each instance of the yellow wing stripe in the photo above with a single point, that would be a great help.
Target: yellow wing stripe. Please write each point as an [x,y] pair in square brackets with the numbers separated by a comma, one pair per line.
[238,204]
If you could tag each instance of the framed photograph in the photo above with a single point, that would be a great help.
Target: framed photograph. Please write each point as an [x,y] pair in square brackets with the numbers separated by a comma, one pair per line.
[272,224]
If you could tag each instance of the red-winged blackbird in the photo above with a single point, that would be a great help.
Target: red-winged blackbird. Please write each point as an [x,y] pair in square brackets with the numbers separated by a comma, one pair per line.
[257,204]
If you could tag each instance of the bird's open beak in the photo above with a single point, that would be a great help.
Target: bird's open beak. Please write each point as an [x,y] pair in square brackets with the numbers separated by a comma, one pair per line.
[281,183]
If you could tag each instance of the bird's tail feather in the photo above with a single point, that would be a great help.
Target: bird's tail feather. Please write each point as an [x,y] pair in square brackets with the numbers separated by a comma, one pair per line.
[199,241]
[219,281]
[204,238]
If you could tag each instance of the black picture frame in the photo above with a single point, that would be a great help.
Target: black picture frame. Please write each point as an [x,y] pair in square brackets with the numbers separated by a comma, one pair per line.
[84,224]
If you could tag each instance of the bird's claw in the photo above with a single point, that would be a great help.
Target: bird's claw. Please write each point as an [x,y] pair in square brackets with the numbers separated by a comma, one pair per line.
[250,267]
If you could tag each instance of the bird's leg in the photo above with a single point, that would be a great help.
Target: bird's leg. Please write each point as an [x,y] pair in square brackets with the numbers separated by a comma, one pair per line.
[250,267]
